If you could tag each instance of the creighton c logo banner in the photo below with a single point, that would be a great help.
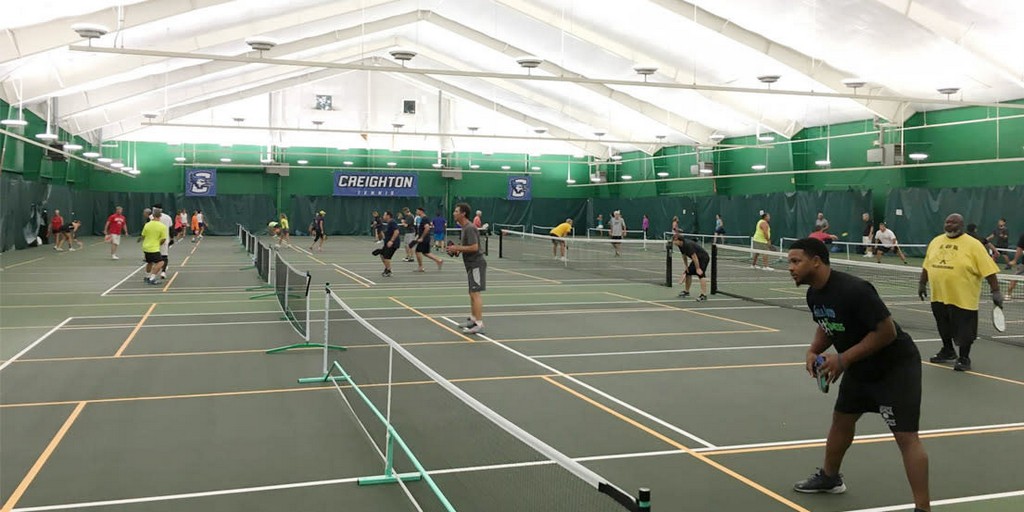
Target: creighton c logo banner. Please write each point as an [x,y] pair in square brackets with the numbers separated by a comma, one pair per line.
[200,182]
[519,188]
[348,183]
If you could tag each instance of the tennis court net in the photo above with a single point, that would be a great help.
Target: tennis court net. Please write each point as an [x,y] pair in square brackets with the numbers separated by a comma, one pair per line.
[291,287]
[734,273]
[263,261]
[439,446]
[648,261]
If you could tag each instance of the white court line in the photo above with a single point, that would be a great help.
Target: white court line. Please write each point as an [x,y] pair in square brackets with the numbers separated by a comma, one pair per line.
[34,343]
[951,501]
[678,350]
[354,273]
[600,393]
[513,465]
[127,277]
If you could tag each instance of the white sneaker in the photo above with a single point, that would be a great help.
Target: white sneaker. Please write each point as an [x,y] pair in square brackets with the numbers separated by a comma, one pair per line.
[769,269]
[563,258]
[114,257]
[72,249]
[163,275]
[474,329]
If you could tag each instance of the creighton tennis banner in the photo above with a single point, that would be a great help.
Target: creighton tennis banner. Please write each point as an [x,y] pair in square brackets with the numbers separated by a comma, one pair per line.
[519,188]
[200,182]
[347,183]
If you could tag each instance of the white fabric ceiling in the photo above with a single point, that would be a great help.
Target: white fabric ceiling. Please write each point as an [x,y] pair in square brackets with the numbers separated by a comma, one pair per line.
[904,49]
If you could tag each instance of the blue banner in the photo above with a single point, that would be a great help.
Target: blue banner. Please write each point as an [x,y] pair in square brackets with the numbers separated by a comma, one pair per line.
[370,184]
[200,182]
[519,188]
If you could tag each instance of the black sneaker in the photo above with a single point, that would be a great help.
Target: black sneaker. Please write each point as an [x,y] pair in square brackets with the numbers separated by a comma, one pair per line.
[386,273]
[684,293]
[702,298]
[943,357]
[820,482]
[963,364]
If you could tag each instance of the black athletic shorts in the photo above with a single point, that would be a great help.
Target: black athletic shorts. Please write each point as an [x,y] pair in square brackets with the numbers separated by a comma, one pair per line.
[884,250]
[317,235]
[152,257]
[896,396]
[692,269]
[387,252]
[423,247]
[960,325]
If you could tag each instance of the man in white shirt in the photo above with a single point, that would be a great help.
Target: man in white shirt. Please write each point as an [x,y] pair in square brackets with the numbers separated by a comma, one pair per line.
[886,239]
[617,230]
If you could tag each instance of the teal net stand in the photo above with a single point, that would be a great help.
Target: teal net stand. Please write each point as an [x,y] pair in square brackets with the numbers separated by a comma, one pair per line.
[292,291]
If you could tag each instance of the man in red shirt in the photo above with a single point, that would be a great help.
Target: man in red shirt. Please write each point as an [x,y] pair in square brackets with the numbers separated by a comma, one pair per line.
[820,234]
[56,223]
[115,227]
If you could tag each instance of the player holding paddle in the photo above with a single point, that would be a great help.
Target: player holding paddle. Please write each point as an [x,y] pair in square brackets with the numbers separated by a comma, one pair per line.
[881,364]
[955,265]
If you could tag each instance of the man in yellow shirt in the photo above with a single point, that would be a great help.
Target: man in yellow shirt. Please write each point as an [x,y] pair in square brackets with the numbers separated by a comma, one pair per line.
[559,232]
[154,234]
[955,265]
[762,239]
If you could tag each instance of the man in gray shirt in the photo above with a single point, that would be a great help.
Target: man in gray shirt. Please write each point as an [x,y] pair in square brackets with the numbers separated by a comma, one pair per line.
[617,230]
[476,267]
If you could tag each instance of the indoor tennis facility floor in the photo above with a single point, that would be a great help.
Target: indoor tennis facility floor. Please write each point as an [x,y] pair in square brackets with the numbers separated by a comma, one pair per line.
[116,395]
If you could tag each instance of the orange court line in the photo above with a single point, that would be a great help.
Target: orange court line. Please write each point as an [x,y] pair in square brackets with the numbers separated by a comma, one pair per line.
[972,372]
[338,270]
[424,315]
[23,263]
[169,281]
[135,331]
[696,312]
[41,461]
[404,383]
[681,447]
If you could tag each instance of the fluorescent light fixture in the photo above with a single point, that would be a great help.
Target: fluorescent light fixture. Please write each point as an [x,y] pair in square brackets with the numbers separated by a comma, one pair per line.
[225,160]
[262,160]
[506,167]
[917,157]
[108,145]
[663,174]
[104,160]
[46,136]
[392,164]
[134,172]
[302,162]
[179,159]
[570,181]
[616,157]
[174,143]
[759,167]
[705,172]
[535,168]
[595,179]
[436,165]
[766,138]
[72,147]
[347,162]
[14,122]
[127,169]
[474,166]
[627,177]
[117,165]
[90,154]
[716,137]
[823,163]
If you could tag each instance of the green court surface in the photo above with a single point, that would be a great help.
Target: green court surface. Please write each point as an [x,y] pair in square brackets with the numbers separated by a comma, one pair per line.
[116,395]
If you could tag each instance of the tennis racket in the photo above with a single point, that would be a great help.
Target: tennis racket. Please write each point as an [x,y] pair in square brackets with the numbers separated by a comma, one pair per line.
[821,377]
[998,319]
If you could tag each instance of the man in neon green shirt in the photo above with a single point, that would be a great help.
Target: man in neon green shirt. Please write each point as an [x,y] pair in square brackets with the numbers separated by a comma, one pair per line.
[762,239]
[558,233]
[154,234]
[955,265]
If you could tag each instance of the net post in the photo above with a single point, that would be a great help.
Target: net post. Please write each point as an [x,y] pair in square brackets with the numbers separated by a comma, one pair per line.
[668,264]
[714,269]
[643,501]
[501,243]
[327,319]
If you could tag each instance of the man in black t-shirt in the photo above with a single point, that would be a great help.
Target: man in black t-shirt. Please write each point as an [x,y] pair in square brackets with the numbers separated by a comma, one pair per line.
[881,364]
[698,265]
[391,243]
[424,232]
[867,234]
[1000,239]
[1019,262]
